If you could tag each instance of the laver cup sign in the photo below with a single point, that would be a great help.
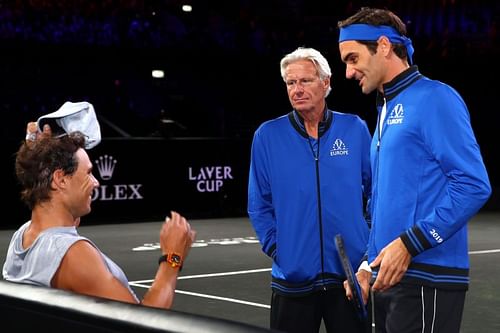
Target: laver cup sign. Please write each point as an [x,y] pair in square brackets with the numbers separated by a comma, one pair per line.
[209,178]
[105,165]
[137,185]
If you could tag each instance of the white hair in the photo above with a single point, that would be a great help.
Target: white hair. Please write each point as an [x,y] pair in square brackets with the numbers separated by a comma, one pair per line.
[307,53]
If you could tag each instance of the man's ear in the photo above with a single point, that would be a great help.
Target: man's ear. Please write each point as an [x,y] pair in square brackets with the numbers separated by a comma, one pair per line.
[326,82]
[384,44]
[58,179]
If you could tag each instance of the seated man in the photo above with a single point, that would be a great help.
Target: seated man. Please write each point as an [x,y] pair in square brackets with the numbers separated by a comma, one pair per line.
[55,173]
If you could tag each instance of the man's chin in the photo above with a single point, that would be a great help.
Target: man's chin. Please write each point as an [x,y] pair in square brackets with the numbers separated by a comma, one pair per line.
[302,108]
[366,90]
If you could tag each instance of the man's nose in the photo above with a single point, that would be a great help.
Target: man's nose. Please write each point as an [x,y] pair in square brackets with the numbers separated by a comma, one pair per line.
[349,72]
[96,182]
[298,87]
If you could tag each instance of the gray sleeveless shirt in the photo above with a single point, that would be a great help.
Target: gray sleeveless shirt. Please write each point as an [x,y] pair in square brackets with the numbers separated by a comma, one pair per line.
[38,263]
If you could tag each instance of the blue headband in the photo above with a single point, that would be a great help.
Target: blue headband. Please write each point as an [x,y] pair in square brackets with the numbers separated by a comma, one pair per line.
[367,32]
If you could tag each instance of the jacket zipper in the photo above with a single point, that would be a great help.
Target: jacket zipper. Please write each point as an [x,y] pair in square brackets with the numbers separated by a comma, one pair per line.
[320,216]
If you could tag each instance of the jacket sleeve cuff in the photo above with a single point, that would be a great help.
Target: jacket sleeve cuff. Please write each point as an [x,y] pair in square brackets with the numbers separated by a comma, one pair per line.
[364,258]
[415,241]
[365,266]
[271,252]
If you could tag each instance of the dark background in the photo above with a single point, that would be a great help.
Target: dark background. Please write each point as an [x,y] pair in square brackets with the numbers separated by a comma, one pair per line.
[221,64]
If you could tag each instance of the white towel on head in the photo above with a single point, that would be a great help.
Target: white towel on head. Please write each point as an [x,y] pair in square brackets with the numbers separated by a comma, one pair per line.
[72,117]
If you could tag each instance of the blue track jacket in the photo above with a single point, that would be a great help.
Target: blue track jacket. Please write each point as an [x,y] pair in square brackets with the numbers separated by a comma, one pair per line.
[303,191]
[428,179]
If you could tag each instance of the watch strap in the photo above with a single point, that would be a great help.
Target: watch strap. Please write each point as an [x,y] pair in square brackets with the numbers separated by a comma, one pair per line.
[172,259]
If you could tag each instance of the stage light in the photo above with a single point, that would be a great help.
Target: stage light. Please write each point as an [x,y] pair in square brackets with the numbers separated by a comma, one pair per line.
[158,74]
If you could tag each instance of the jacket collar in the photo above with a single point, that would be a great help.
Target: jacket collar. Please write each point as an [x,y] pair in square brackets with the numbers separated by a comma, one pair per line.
[398,84]
[298,122]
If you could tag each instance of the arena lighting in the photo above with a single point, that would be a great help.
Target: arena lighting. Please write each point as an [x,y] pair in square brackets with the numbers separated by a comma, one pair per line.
[158,74]
[187,8]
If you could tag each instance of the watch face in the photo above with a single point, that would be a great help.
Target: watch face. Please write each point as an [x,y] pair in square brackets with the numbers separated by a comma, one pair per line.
[175,258]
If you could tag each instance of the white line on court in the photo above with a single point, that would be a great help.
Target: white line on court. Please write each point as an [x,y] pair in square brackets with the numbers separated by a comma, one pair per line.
[260,270]
[224,299]
[227,299]
[144,284]
[485,251]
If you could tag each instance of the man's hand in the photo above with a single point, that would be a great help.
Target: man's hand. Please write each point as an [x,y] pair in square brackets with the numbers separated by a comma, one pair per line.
[393,260]
[33,134]
[176,235]
[364,278]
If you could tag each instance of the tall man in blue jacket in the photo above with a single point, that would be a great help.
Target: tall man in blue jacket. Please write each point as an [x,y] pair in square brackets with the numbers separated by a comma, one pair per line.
[429,179]
[309,177]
